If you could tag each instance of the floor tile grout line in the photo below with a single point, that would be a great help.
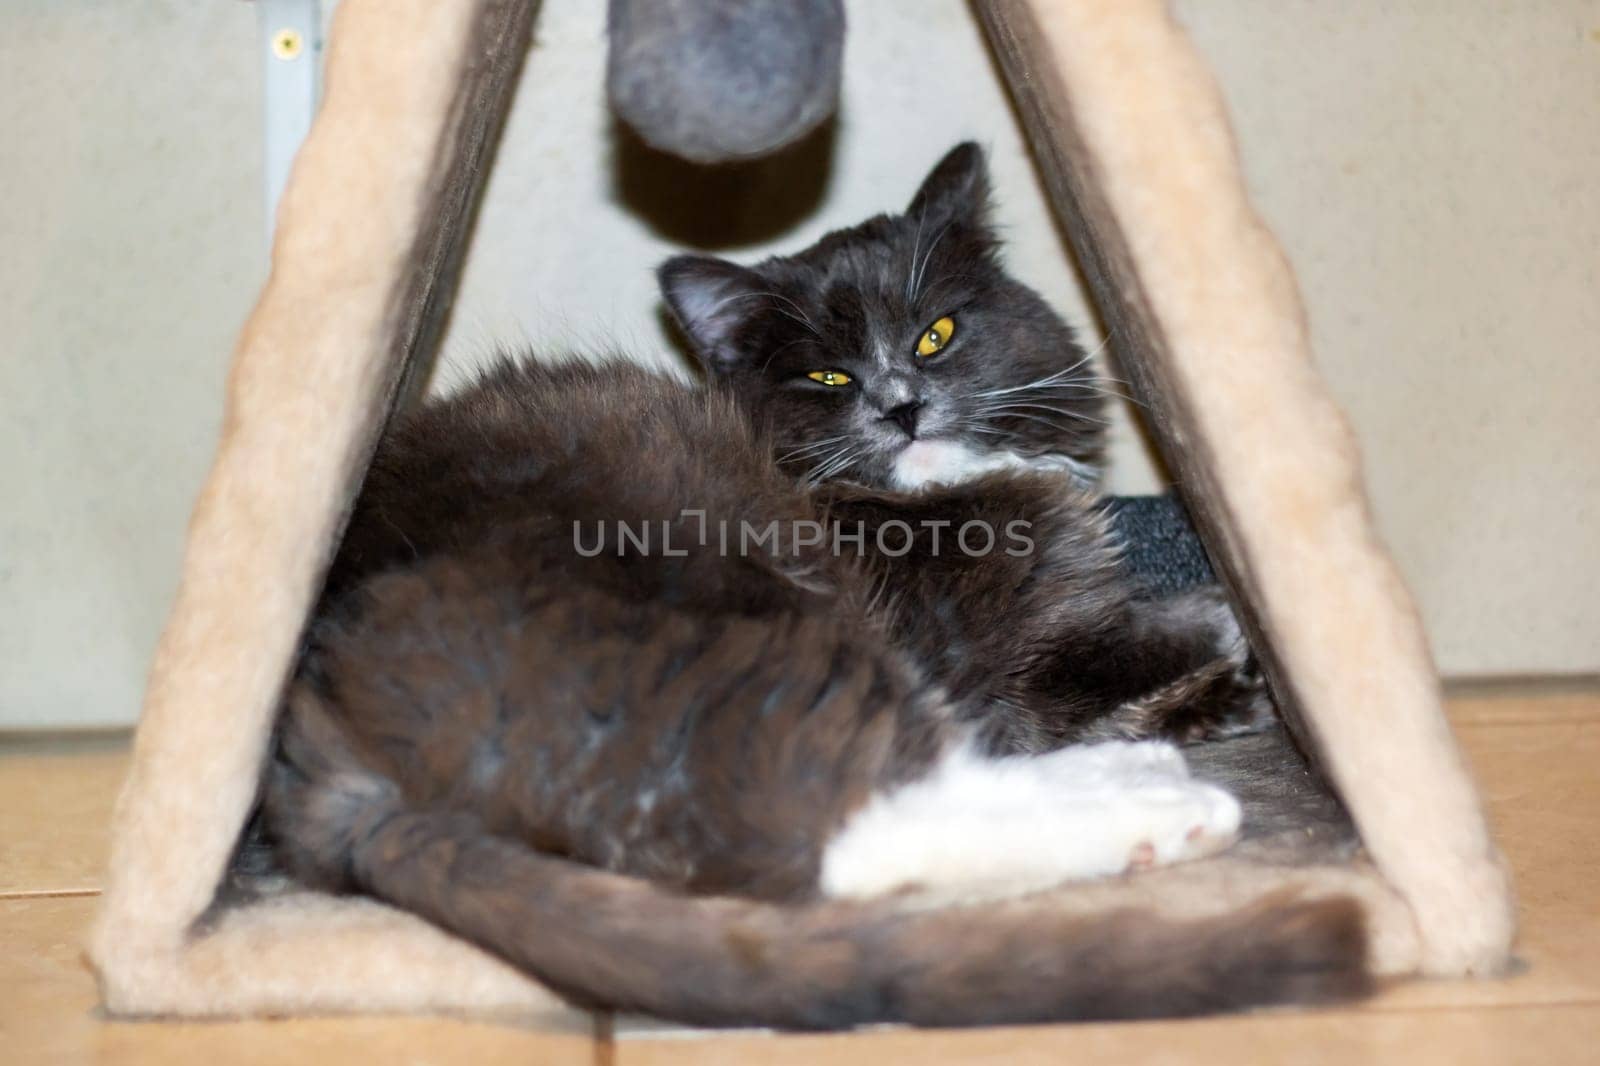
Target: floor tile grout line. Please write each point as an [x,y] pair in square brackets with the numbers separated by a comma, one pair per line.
[1354,1014]
[605,1038]
[46,893]
[1526,719]
[1578,999]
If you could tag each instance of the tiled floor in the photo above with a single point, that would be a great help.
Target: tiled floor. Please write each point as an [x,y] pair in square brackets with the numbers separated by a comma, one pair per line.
[1537,754]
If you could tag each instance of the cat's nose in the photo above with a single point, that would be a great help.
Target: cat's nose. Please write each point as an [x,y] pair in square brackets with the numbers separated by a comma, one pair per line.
[905,416]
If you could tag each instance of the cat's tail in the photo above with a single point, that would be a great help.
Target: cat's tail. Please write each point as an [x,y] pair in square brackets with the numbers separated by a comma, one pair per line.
[606,940]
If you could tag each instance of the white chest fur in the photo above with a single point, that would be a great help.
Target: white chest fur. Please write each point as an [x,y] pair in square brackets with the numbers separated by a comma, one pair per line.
[941,462]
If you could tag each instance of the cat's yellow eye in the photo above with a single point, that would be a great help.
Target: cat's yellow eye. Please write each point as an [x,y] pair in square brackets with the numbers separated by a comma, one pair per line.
[936,336]
[829,377]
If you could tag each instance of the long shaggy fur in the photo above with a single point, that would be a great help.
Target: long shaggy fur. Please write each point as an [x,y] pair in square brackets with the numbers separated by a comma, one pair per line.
[503,730]
[618,942]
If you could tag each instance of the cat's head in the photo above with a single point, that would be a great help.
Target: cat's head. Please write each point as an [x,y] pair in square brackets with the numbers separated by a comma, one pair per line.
[897,353]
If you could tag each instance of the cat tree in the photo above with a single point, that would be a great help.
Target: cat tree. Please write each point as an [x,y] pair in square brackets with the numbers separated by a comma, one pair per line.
[1130,135]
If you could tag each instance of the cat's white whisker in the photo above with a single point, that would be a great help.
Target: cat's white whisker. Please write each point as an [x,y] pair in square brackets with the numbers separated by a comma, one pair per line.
[780,349]
[974,426]
[798,315]
[942,278]
[846,464]
[1036,383]
[816,471]
[916,288]
[1015,410]
[835,464]
[916,244]
[812,448]
[1053,424]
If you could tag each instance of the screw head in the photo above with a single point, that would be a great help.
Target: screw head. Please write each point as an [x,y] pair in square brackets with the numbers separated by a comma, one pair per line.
[287,43]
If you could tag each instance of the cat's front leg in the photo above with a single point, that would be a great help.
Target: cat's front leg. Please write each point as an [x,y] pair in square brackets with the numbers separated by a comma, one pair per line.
[1215,688]
[1174,669]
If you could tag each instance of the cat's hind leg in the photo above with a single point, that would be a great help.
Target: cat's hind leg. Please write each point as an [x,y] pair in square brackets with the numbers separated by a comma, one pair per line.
[977,826]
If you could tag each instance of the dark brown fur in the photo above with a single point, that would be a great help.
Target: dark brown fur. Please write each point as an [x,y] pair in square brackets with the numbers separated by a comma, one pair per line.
[619,771]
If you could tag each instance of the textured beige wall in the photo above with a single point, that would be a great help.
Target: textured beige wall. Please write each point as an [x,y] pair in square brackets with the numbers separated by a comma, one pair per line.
[1430,167]
[130,249]
[575,220]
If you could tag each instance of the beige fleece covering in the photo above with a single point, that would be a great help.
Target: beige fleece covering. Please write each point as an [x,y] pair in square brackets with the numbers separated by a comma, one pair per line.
[313,375]
[318,363]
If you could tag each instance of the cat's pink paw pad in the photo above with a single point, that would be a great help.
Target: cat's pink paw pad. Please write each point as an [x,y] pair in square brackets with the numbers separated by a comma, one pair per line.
[1216,829]
[1190,821]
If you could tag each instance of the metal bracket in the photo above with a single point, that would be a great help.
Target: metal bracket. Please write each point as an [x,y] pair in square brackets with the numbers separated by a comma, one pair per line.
[291,50]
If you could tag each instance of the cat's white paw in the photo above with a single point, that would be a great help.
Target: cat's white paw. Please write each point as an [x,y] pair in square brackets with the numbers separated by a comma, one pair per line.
[1143,759]
[1188,821]
[1111,763]
[977,826]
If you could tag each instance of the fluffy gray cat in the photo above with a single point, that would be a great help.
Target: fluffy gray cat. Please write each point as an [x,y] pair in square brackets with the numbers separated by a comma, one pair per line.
[659,691]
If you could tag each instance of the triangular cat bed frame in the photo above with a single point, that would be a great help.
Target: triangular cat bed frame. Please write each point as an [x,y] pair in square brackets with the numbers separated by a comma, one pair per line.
[1130,134]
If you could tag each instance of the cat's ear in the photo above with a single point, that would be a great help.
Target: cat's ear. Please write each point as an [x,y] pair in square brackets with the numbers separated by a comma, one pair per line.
[711,298]
[956,189]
